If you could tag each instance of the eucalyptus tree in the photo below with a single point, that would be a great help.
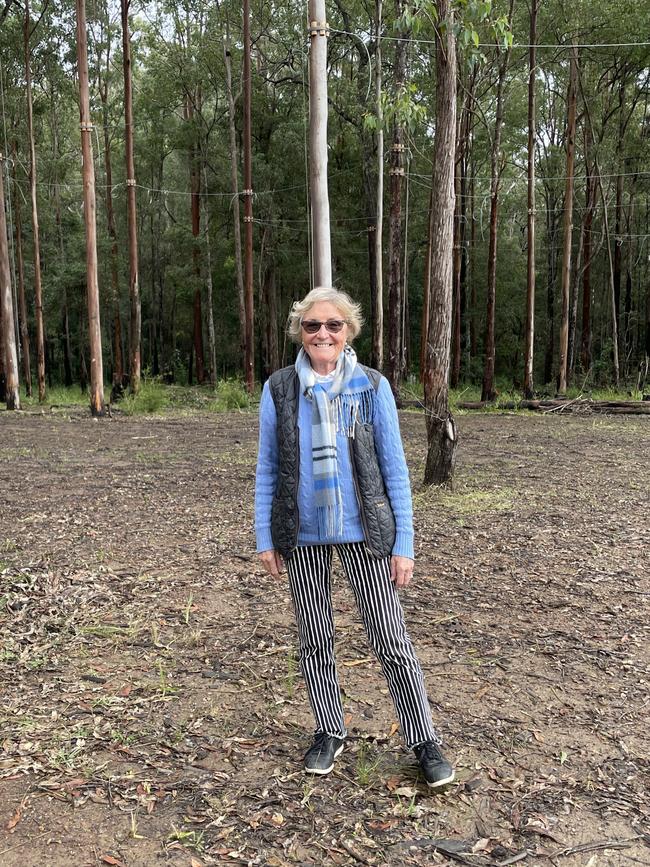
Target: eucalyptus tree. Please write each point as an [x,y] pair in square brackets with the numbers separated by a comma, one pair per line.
[12,391]
[396,360]
[441,429]
[102,27]
[529,349]
[135,319]
[570,138]
[38,286]
[92,285]
[496,169]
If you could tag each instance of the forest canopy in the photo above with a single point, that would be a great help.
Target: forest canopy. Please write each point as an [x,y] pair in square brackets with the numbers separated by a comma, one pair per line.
[188,120]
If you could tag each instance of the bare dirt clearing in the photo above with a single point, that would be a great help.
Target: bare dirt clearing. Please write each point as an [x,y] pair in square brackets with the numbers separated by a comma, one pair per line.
[153,710]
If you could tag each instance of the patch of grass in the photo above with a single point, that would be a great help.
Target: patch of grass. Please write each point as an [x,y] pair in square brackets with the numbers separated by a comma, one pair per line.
[230,394]
[149,458]
[466,498]
[152,398]
[367,765]
[187,839]
[10,454]
[164,687]
[119,737]
[475,502]
[106,631]
[60,395]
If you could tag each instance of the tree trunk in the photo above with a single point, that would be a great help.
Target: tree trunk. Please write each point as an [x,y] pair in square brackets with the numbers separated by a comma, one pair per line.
[369,175]
[496,167]
[38,291]
[599,181]
[268,306]
[65,317]
[441,429]
[12,390]
[377,298]
[234,186]
[590,198]
[529,352]
[135,317]
[320,209]
[572,98]
[551,248]
[395,367]
[90,217]
[195,215]
[573,310]
[460,186]
[208,280]
[456,351]
[249,349]
[118,365]
[618,219]
[22,303]
[473,327]
[426,291]
[3,376]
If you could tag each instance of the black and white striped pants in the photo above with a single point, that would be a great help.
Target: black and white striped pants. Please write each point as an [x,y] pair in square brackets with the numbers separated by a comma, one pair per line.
[309,569]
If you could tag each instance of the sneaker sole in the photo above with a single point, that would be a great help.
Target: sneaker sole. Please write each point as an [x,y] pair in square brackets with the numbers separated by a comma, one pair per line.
[323,771]
[445,782]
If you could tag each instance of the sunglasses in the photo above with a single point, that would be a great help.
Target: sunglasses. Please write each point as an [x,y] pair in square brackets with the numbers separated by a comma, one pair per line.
[312,326]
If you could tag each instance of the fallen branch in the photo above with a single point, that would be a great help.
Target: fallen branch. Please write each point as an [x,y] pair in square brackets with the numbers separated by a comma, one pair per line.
[629,407]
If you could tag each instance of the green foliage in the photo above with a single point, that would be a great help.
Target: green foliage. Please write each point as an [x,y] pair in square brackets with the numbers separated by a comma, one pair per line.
[180,108]
[152,398]
[59,395]
[231,394]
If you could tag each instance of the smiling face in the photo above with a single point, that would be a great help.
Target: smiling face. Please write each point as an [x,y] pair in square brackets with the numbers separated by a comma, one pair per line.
[324,348]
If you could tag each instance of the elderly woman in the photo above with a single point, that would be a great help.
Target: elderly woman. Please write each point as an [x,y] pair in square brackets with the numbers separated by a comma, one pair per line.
[331,474]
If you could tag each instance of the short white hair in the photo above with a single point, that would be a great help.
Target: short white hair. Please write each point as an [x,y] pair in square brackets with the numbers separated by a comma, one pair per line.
[350,311]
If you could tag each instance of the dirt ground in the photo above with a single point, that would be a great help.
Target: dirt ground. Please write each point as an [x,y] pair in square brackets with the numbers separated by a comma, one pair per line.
[153,710]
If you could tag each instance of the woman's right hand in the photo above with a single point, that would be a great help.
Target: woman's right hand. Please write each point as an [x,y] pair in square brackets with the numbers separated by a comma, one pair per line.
[272,562]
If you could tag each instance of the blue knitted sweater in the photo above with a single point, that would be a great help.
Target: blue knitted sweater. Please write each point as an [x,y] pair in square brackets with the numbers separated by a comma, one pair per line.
[390,454]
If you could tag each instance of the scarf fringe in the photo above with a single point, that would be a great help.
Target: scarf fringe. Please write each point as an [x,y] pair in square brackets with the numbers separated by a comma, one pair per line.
[330,521]
[351,409]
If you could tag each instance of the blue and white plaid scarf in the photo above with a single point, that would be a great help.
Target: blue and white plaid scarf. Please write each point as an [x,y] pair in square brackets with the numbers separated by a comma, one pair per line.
[349,399]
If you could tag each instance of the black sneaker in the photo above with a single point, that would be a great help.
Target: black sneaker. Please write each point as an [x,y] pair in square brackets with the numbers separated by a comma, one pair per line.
[435,767]
[319,758]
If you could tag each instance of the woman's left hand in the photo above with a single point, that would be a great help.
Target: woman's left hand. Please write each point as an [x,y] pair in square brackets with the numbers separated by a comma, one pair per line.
[401,570]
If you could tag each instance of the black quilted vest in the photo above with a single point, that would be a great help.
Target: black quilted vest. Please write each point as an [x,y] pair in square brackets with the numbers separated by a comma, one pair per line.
[374,506]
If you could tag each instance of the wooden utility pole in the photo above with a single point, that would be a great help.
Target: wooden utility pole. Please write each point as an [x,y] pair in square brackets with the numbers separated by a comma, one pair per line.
[134,286]
[7,307]
[378,299]
[530,284]
[90,219]
[38,290]
[441,429]
[572,100]
[320,208]
[249,352]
